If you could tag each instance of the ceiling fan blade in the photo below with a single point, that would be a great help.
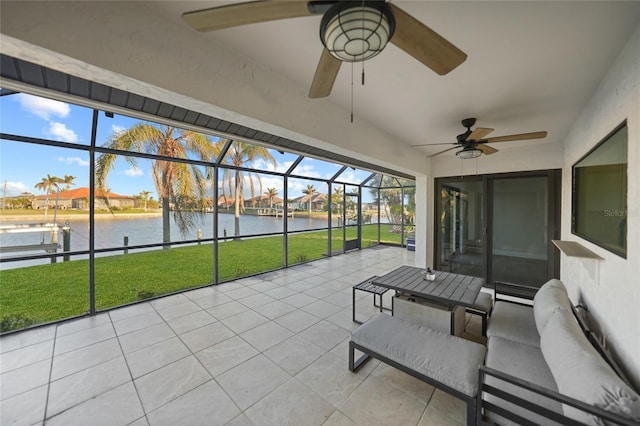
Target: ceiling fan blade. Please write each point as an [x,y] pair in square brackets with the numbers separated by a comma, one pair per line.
[518,137]
[486,149]
[441,152]
[479,133]
[325,76]
[424,44]
[233,15]
[435,144]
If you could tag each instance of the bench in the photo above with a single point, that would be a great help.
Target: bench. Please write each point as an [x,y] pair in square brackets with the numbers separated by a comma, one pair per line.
[444,361]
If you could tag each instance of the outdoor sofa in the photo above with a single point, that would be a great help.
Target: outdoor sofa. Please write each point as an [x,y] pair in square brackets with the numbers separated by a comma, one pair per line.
[540,366]
[545,365]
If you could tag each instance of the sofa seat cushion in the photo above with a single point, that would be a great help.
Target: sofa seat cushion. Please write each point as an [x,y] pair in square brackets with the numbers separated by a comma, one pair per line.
[549,298]
[442,357]
[525,362]
[513,322]
[581,373]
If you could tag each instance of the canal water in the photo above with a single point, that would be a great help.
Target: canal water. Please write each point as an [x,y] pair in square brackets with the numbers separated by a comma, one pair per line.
[111,232]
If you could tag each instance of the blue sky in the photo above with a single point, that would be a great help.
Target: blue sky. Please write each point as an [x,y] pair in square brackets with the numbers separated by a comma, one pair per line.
[22,165]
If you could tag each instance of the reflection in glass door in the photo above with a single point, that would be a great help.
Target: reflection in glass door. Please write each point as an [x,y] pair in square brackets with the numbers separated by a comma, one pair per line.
[499,227]
[460,235]
[351,208]
[520,229]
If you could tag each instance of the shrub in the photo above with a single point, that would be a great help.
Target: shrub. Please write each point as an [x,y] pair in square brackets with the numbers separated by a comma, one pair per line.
[15,322]
[146,294]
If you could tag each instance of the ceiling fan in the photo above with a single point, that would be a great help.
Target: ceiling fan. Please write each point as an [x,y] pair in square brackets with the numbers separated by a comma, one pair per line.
[351,31]
[473,142]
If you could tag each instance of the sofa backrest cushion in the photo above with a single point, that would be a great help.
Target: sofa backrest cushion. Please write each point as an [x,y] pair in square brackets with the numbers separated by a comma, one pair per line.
[551,297]
[581,373]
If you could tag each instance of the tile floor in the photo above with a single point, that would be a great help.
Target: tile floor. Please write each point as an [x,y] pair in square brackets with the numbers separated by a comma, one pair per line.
[267,350]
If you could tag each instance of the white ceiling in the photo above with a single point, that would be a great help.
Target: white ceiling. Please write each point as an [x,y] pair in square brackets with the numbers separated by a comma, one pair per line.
[531,66]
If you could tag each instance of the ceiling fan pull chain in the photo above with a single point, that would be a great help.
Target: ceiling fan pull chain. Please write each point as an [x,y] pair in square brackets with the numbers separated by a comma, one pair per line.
[352,92]
[363,40]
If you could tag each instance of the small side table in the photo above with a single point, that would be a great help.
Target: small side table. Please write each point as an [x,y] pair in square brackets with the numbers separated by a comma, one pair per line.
[368,287]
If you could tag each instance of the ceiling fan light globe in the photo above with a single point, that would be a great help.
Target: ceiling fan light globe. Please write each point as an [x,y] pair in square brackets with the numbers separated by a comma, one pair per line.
[354,33]
[469,153]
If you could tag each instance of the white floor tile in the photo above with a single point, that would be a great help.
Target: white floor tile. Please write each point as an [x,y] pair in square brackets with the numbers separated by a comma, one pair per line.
[250,381]
[330,378]
[25,356]
[206,336]
[22,379]
[204,405]
[266,335]
[225,355]
[24,409]
[291,404]
[375,403]
[297,320]
[88,356]
[169,382]
[156,356]
[86,384]
[294,354]
[100,410]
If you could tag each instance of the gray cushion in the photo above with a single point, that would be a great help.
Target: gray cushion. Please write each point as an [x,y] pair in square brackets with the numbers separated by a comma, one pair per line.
[581,373]
[483,302]
[525,362]
[551,297]
[447,359]
[513,322]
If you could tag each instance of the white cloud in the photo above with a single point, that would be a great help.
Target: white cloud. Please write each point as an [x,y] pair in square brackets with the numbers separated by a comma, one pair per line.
[271,182]
[74,160]
[133,171]
[61,132]
[282,168]
[43,108]
[14,188]
[348,176]
[307,170]
[117,129]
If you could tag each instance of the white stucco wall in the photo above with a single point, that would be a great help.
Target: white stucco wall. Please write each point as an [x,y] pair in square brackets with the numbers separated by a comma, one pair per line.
[610,288]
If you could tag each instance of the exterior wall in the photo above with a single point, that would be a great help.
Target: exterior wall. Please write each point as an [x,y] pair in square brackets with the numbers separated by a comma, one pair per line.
[610,288]
[538,155]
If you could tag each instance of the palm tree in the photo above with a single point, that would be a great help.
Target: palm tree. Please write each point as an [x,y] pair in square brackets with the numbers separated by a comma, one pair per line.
[144,196]
[310,191]
[176,183]
[271,193]
[49,185]
[336,200]
[241,154]
[68,181]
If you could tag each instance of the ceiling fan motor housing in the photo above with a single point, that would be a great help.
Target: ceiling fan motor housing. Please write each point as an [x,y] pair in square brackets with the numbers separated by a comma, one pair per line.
[354,31]
[468,122]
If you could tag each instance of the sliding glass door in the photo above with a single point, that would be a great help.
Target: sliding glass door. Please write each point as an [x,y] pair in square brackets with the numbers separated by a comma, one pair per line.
[520,230]
[461,224]
[499,227]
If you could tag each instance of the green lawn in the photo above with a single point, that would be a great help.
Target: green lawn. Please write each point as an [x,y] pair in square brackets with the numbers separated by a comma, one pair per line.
[43,293]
